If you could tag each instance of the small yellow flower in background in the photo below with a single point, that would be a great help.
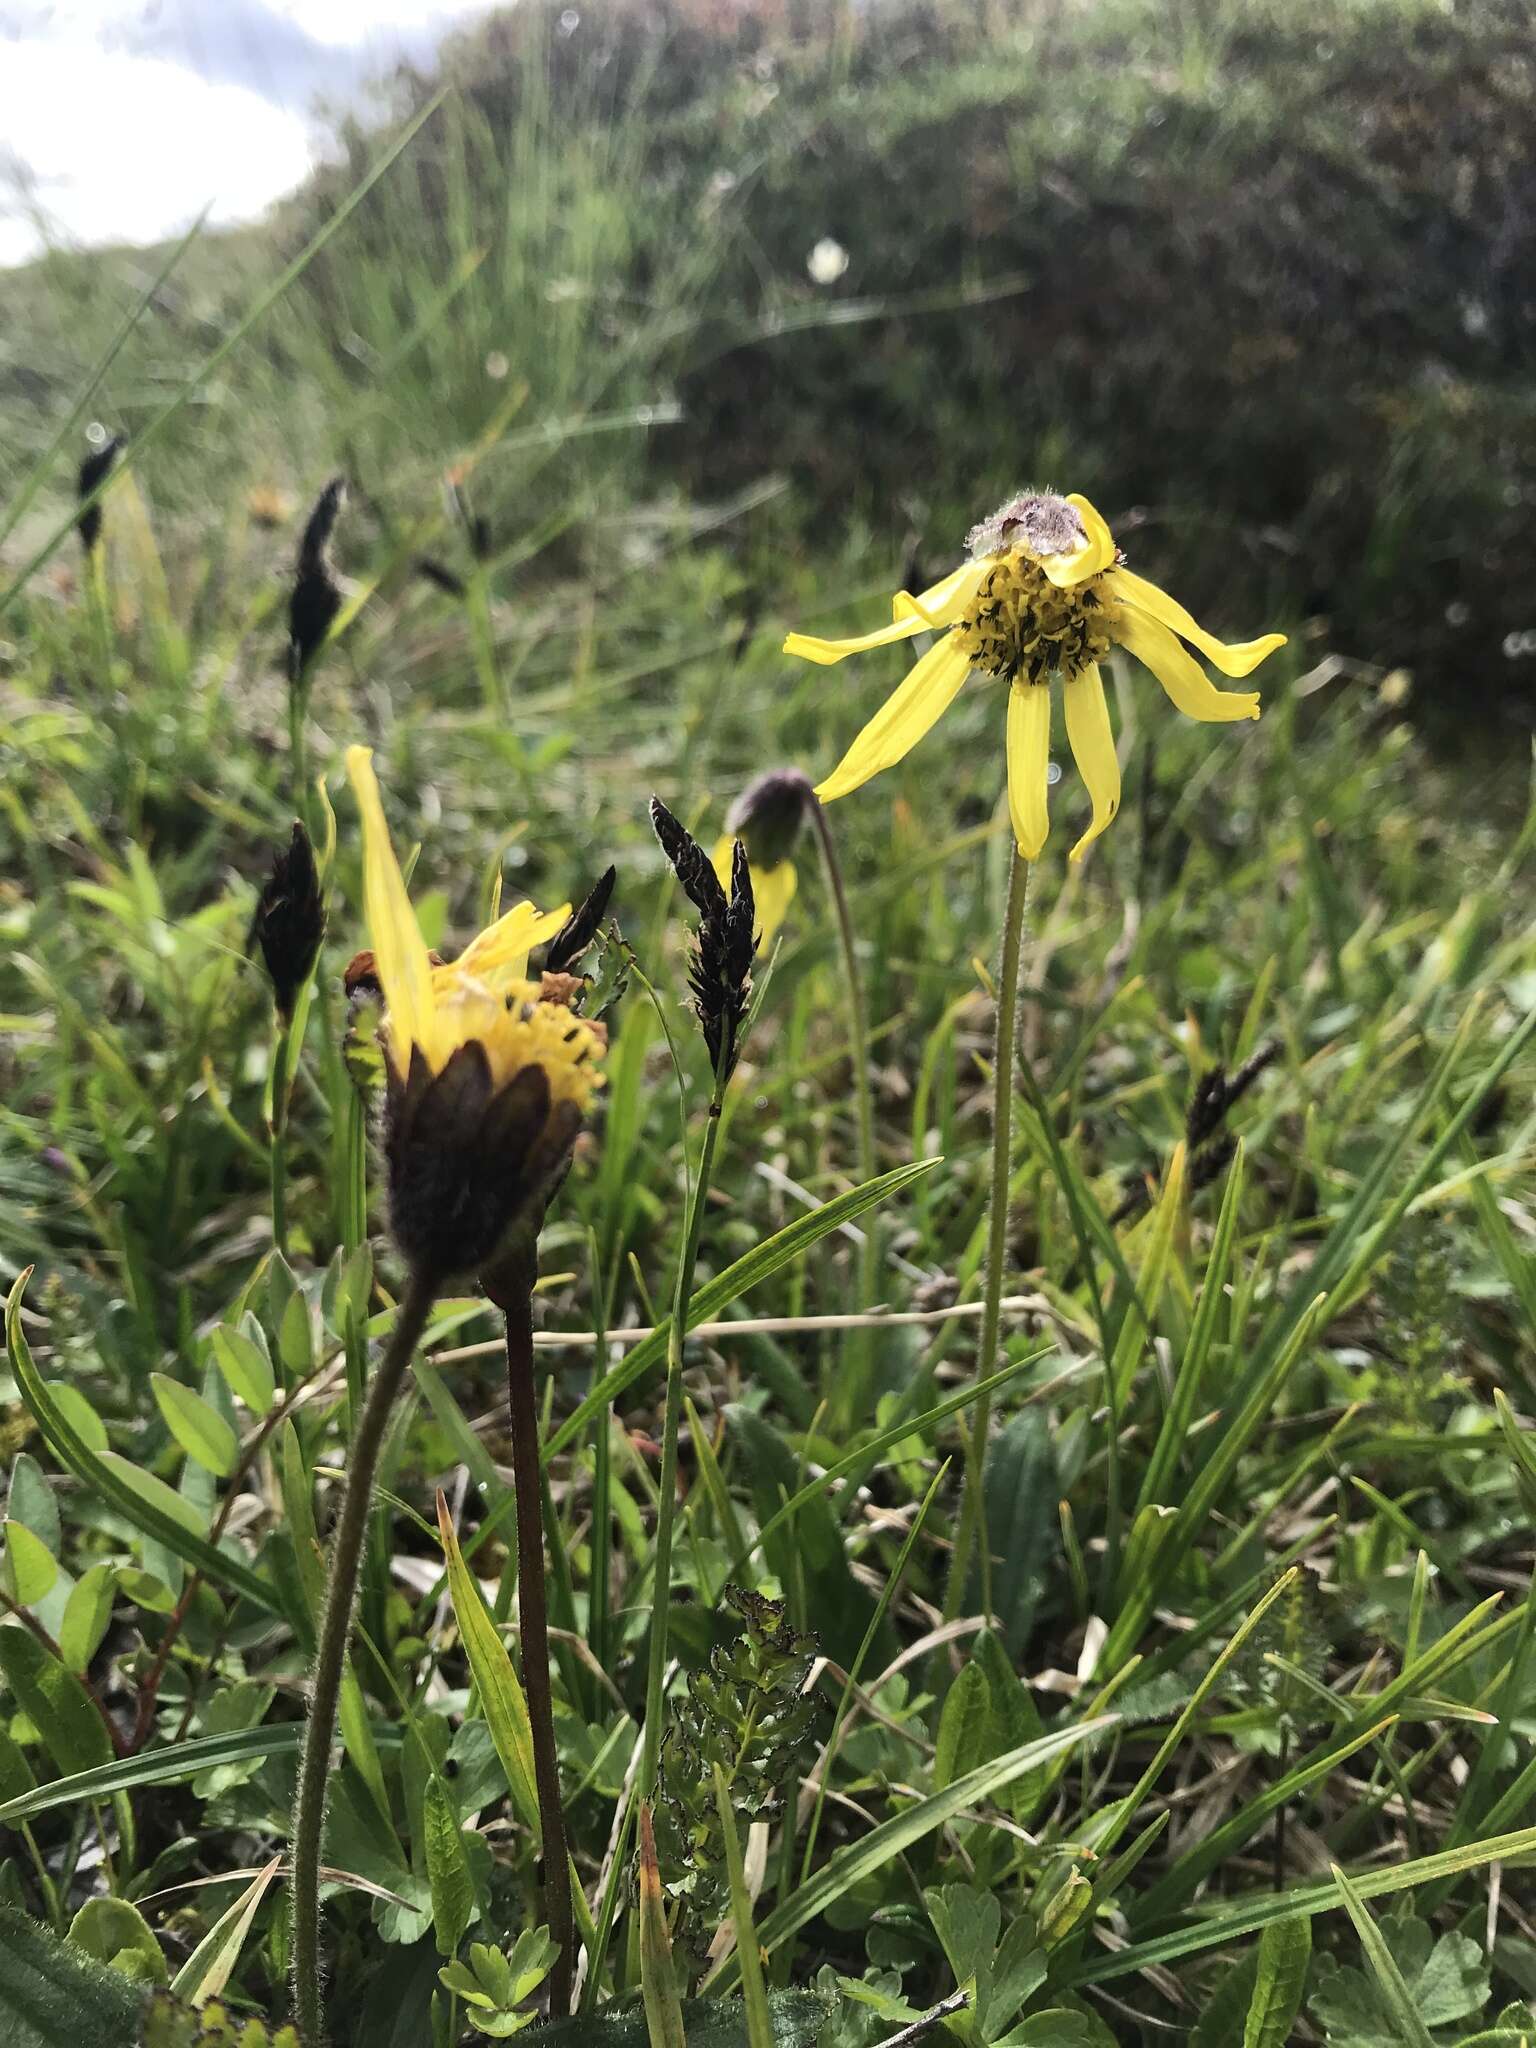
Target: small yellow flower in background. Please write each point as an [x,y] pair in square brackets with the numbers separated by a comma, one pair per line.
[1044,593]
[488,1078]
[767,818]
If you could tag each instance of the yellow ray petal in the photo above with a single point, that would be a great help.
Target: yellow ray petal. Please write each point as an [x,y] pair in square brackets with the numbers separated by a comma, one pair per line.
[1177,670]
[901,721]
[1096,554]
[399,952]
[1233,658]
[720,859]
[945,602]
[1093,749]
[1029,752]
[500,952]
[828,651]
[773,890]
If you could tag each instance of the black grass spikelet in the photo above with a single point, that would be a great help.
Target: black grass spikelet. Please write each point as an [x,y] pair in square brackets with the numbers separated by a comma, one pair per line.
[93,471]
[720,975]
[316,596]
[290,921]
[581,927]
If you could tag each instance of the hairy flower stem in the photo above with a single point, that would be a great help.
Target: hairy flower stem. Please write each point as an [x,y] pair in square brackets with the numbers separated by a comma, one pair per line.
[331,1654]
[666,1507]
[860,1347]
[973,1521]
[512,1291]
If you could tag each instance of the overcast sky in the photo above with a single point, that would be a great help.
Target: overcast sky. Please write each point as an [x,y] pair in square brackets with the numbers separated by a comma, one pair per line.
[121,119]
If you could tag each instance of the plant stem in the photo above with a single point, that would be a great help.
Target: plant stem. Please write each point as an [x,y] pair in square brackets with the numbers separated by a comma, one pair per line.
[279,1141]
[331,1653]
[973,1520]
[666,1507]
[514,1297]
[859,1346]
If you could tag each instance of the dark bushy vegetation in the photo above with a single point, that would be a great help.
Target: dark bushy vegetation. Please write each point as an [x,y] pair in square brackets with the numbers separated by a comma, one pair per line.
[1270,268]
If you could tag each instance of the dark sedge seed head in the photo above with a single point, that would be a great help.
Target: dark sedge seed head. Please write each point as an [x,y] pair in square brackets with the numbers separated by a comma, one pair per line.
[93,470]
[431,570]
[769,813]
[720,974]
[316,597]
[469,1164]
[290,921]
[580,928]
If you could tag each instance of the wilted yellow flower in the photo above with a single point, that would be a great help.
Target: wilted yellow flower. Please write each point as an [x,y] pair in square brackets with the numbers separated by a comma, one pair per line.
[1043,593]
[488,1079]
[767,818]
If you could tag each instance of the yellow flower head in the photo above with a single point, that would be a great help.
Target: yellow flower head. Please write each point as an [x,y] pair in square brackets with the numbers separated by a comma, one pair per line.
[1043,593]
[488,1079]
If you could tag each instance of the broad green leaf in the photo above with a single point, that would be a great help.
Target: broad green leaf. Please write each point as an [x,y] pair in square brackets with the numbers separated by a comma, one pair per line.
[30,1499]
[209,1967]
[80,1415]
[202,1434]
[1281,1977]
[16,1779]
[965,1727]
[87,1614]
[501,1696]
[241,1355]
[55,1702]
[105,1475]
[453,1889]
[163,1501]
[54,1996]
[1023,1526]
[30,1567]
[1060,2026]
[116,1933]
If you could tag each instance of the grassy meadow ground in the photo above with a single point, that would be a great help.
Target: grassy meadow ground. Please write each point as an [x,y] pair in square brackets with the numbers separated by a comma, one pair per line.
[1282,1355]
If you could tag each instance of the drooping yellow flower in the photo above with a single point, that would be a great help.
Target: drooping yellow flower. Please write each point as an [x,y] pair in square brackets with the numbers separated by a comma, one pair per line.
[488,1077]
[767,818]
[1043,593]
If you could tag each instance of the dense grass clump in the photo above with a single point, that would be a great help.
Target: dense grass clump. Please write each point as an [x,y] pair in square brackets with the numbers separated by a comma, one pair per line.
[1228,1738]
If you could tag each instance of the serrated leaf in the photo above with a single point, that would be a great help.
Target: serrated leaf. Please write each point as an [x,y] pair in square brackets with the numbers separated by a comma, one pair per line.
[453,1889]
[202,1434]
[1281,1977]
[87,1614]
[30,1567]
[244,1362]
[965,1727]
[53,1996]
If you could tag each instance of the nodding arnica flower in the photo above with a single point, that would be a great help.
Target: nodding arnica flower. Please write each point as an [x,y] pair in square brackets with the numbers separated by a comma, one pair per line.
[316,597]
[487,1078]
[725,944]
[767,818]
[95,468]
[1044,593]
[290,921]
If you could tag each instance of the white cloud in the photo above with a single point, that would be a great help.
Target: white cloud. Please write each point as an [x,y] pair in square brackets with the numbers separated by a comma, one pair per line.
[129,118]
